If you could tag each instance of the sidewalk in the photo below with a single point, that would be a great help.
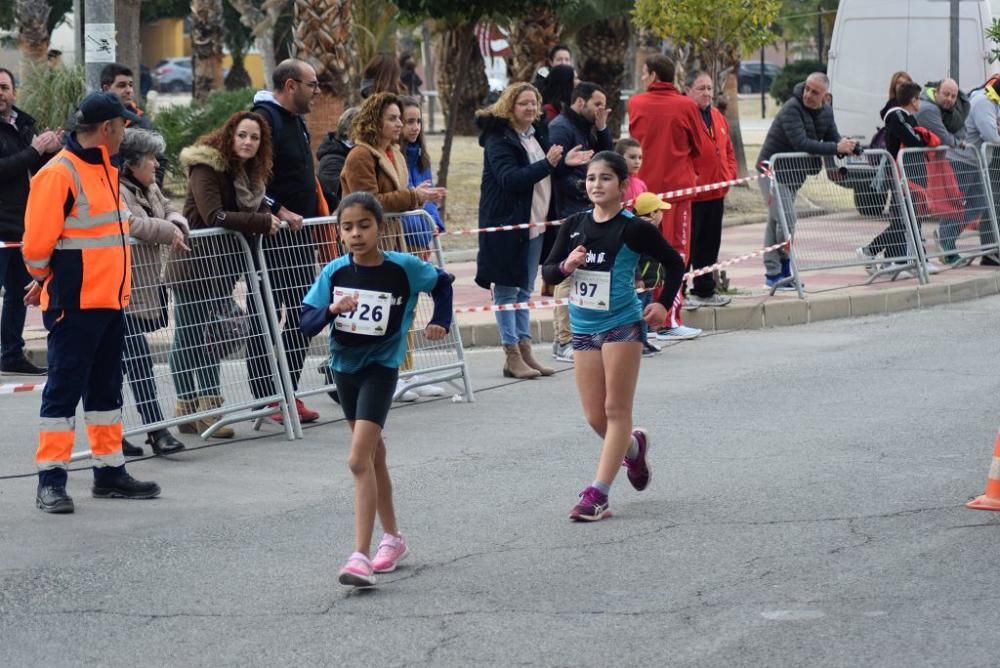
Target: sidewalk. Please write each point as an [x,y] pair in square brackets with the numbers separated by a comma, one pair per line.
[752,308]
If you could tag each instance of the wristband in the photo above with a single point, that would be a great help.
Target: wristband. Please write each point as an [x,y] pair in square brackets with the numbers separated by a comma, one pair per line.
[563,270]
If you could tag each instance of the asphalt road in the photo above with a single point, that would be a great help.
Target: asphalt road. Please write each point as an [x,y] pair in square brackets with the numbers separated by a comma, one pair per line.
[806,509]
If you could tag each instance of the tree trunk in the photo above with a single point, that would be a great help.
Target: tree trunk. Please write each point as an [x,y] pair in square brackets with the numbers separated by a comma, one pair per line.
[603,47]
[32,33]
[261,21]
[732,92]
[466,78]
[206,47]
[129,50]
[323,37]
[466,47]
[531,37]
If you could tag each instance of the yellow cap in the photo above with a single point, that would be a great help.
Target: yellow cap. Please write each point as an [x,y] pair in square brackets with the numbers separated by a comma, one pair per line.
[647,203]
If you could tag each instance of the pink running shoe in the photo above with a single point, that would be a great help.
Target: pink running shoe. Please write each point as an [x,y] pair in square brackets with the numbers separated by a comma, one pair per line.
[638,468]
[357,572]
[391,551]
[593,506]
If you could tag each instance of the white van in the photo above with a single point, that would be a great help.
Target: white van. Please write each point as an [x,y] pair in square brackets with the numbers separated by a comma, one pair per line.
[874,38]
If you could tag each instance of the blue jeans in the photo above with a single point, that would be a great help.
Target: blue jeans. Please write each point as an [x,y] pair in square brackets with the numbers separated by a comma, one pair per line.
[13,276]
[516,325]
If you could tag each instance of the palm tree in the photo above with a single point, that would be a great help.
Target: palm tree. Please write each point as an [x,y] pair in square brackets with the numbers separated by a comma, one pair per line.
[206,45]
[602,29]
[32,32]
[323,37]
[531,37]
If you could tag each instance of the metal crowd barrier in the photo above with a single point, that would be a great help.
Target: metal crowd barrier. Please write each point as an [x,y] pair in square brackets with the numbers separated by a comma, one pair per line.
[186,354]
[834,212]
[948,197]
[294,259]
[989,155]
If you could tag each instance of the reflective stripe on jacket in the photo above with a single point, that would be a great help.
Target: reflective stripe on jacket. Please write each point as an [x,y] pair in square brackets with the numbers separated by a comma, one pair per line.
[76,232]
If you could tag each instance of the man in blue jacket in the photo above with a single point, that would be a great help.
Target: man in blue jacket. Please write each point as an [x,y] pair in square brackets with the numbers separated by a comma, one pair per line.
[585,124]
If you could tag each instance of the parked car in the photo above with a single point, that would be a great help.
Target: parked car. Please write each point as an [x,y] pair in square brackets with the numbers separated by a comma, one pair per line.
[749,76]
[174,75]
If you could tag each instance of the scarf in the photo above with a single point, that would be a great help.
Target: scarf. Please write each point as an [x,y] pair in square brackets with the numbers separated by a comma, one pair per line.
[248,197]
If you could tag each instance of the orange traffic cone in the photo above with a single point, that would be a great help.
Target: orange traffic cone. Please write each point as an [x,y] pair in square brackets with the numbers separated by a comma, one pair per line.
[991,499]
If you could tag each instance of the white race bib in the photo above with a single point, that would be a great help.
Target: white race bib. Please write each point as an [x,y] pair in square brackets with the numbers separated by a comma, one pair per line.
[371,318]
[591,289]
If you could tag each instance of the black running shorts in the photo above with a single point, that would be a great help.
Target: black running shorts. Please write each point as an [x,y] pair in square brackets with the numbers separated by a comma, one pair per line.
[367,394]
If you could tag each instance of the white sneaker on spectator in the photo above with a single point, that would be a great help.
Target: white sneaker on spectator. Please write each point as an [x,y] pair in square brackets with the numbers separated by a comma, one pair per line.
[866,255]
[933,267]
[403,394]
[714,300]
[562,352]
[421,390]
[679,333]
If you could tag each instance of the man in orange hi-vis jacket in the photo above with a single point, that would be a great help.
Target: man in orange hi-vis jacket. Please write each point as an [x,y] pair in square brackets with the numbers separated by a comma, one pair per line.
[76,250]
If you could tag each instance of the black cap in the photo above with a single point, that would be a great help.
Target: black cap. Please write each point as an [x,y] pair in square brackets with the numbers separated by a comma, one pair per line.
[100,107]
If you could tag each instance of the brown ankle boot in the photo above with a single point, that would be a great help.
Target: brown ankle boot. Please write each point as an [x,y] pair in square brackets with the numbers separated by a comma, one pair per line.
[515,366]
[524,345]
[187,407]
[207,403]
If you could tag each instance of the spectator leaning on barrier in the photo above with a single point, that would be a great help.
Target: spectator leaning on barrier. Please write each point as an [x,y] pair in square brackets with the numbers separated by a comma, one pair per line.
[943,110]
[418,165]
[228,171]
[332,154]
[901,130]
[672,134]
[516,188]
[584,124]
[981,126]
[295,191]
[22,153]
[76,250]
[803,124]
[713,166]
[154,222]
[120,81]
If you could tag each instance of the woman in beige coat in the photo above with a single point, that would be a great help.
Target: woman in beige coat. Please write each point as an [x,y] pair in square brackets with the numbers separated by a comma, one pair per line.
[154,223]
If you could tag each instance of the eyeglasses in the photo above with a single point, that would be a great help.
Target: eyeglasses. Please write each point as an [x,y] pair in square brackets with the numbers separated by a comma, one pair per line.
[311,84]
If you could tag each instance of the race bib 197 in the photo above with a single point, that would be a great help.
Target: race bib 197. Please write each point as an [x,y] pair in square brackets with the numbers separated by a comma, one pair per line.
[370,318]
[591,289]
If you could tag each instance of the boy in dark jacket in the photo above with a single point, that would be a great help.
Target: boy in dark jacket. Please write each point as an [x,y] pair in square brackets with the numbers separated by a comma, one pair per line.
[901,130]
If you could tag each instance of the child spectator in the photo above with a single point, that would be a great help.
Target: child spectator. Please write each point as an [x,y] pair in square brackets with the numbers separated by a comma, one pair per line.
[648,272]
[631,150]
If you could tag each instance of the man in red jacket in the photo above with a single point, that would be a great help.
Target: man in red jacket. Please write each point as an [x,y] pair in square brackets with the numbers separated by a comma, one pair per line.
[714,166]
[670,129]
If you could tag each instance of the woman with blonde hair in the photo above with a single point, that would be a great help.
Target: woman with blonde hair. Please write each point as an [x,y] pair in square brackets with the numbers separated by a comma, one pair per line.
[516,188]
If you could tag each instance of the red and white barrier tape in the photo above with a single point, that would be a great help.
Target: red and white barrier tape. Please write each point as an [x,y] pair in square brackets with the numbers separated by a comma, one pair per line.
[549,303]
[670,194]
[15,388]
[10,244]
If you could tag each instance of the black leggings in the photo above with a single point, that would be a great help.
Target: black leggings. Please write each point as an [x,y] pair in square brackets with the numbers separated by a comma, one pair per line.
[367,393]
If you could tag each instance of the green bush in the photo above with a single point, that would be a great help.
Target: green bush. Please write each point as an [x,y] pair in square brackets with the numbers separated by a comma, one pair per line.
[51,94]
[181,126]
[792,74]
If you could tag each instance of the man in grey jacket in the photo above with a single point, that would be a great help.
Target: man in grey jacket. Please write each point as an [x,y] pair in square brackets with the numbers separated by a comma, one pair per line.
[803,124]
[941,114]
[981,126]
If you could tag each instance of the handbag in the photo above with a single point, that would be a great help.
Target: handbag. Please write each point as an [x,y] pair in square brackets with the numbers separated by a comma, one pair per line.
[226,330]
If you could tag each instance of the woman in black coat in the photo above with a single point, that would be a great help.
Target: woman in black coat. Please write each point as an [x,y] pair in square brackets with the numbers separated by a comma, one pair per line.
[516,188]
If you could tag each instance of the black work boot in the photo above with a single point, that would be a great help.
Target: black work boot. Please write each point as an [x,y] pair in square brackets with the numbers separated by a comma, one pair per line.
[114,482]
[130,450]
[51,496]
